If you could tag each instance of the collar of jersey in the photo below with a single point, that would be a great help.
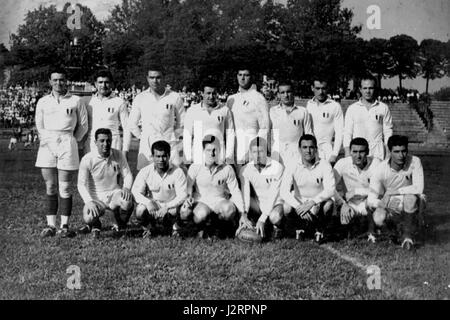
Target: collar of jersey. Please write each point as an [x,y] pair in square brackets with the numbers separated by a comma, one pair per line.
[328,100]
[66,96]
[372,105]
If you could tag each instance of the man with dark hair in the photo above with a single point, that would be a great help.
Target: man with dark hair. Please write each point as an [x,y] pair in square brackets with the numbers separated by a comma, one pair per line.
[263,174]
[327,121]
[98,185]
[62,122]
[167,191]
[250,113]
[397,190]
[208,118]
[106,110]
[159,109]
[355,173]
[314,185]
[209,187]
[288,123]
[370,119]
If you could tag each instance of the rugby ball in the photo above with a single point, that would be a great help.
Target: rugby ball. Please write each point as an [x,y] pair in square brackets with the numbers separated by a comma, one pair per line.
[249,236]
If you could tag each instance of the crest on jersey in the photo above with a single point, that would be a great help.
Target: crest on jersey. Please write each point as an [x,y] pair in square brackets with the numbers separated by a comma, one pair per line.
[168,106]
[379,118]
[246,103]
[296,122]
[69,111]
[220,182]
[319,180]
[220,119]
[269,180]
[111,110]
[171,186]
[326,115]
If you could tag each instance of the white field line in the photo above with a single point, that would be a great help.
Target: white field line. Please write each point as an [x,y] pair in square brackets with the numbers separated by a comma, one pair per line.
[387,286]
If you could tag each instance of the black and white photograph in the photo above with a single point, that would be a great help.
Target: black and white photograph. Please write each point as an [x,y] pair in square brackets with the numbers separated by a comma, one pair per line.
[218,158]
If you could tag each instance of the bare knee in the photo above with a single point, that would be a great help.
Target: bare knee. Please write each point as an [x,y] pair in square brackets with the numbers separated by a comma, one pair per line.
[286,209]
[410,203]
[227,210]
[201,212]
[276,215]
[185,212]
[141,211]
[379,216]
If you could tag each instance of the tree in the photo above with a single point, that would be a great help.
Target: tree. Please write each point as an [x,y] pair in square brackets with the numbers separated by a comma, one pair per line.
[404,51]
[5,61]
[44,40]
[378,59]
[432,60]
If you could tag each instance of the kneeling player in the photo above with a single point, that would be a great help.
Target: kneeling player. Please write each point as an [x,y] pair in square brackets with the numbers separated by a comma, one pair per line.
[167,186]
[314,186]
[355,173]
[98,178]
[264,175]
[399,183]
[213,184]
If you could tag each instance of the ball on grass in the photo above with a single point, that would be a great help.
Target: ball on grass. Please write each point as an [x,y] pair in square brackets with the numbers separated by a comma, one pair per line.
[249,235]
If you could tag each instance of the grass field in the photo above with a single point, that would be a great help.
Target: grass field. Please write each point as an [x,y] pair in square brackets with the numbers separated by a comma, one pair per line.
[167,268]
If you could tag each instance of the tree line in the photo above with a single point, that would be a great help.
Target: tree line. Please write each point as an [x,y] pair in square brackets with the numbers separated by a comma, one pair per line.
[198,39]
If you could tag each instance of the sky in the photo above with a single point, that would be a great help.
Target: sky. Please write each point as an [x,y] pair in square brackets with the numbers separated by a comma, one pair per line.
[418,18]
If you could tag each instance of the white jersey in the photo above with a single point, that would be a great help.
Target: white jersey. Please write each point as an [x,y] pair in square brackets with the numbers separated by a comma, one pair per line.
[68,116]
[373,124]
[199,123]
[288,124]
[355,180]
[161,120]
[98,175]
[251,119]
[316,183]
[265,183]
[110,113]
[327,123]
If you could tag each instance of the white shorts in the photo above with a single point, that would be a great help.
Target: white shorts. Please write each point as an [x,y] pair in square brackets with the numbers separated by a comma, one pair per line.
[13,140]
[325,151]
[104,199]
[377,150]
[58,152]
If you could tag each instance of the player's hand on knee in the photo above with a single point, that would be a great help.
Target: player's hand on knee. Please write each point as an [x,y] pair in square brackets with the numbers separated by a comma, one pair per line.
[345,214]
[93,209]
[126,194]
[260,228]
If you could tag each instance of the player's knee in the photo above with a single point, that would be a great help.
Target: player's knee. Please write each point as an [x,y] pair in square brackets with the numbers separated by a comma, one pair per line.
[227,210]
[126,205]
[286,209]
[141,212]
[201,213]
[276,215]
[64,189]
[185,212]
[410,203]
[379,216]
[328,207]
[51,187]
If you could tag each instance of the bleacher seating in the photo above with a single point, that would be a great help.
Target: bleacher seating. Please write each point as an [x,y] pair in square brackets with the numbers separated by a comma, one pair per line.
[441,116]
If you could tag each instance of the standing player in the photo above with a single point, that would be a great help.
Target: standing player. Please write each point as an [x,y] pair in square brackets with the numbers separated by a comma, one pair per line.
[159,110]
[209,187]
[208,118]
[250,113]
[98,186]
[314,186]
[166,184]
[399,183]
[105,110]
[263,174]
[355,173]
[327,121]
[288,122]
[61,121]
[370,119]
